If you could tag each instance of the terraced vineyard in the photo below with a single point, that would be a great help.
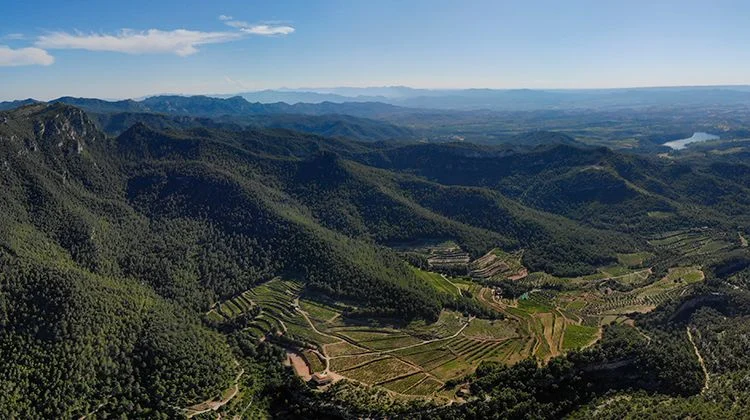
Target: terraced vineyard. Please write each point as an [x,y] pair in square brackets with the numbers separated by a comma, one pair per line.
[543,324]
[412,360]
[449,257]
[417,359]
[231,308]
[445,256]
[692,242]
[278,313]
[676,283]
[499,264]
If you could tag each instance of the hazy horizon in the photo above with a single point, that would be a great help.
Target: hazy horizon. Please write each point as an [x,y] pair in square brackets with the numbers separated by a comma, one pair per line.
[118,50]
[324,89]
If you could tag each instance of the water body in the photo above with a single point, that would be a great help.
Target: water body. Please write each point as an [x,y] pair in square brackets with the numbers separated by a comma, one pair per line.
[697,137]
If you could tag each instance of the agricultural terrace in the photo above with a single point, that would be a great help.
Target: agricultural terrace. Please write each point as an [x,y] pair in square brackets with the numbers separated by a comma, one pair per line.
[693,242]
[438,281]
[498,264]
[416,360]
[441,256]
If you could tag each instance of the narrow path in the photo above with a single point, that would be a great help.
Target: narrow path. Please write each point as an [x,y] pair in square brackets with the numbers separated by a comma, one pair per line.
[649,270]
[242,413]
[323,356]
[700,359]
[454,284]
[307,318]
[326,358]
[211,405]
[648,337]
[92,412]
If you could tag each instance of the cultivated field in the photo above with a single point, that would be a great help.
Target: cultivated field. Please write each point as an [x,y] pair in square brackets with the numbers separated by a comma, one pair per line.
[692,242]
[555,315]
[499,264]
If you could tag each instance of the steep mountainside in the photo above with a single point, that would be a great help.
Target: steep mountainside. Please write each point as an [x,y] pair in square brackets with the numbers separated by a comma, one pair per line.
[112,248]
[595,186]
[180,112]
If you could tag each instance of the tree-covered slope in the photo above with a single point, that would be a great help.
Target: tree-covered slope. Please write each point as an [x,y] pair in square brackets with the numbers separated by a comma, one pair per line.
[594,186]
[112,248]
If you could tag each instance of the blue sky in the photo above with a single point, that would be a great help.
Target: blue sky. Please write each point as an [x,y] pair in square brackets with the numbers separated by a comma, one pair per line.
[119,49]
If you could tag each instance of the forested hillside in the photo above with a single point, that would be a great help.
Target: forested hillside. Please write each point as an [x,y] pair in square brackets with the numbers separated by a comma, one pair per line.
[113,247]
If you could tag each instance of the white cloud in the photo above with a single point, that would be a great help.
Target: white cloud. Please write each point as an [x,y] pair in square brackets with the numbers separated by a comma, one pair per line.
[235,23]
[182,42]
[24,57]
[266,29]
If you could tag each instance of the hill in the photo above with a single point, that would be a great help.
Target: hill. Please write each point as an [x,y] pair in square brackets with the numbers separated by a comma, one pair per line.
[346,120]
[207,106]
[114,248]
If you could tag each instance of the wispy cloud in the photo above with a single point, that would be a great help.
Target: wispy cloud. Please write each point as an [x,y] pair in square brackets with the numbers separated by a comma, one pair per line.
[266,29]
[24,57]
[181,42]
[13,37]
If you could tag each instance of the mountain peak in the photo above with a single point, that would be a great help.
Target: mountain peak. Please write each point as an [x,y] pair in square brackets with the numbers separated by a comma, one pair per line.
[55,125]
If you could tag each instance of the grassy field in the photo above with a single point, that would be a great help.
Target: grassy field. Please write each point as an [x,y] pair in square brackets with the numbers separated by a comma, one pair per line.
[437,281]
[686,275]
[427,387]
[343,348]
[579,336]
[466,284]
[448,324]
[535,302]
[317,311]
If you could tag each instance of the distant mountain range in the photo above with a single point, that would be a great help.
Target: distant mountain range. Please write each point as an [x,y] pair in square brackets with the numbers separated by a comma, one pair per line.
[352,120]
[214,106]
[514,99]
[637,119]
[388,99]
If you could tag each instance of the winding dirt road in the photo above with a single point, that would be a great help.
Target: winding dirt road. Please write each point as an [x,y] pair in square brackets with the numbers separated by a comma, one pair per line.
[454,284]
[212,405]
